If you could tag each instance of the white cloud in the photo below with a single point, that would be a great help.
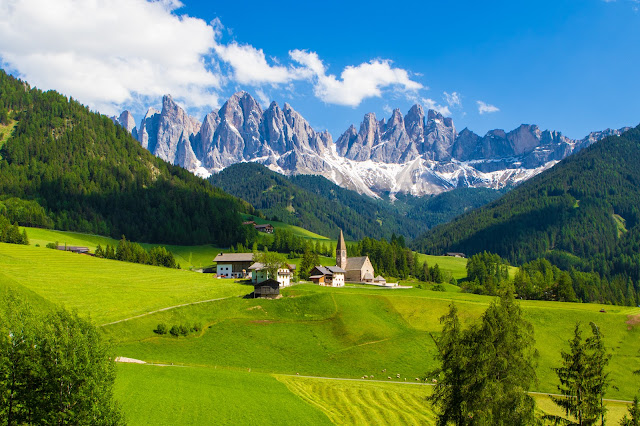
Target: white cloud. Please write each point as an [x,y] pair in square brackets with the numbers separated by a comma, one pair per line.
[263,98]
[431,104]
[454,100]
[250,66]
[484,108]
[356,83]
[111,52]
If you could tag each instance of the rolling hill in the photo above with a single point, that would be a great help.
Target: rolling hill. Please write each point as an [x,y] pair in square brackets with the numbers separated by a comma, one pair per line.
[315,203]
[583,213]
[249,344]
[81,172]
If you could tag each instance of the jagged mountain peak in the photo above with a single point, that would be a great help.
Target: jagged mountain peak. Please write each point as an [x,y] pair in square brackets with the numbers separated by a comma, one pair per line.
[420,152]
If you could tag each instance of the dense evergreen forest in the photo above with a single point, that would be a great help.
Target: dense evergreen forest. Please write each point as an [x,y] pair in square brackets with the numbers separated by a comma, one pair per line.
[582,216]
[316,204]
[71,169]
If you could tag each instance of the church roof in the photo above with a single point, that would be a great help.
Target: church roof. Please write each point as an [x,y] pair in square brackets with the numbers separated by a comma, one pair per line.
[341,245]
[356,262]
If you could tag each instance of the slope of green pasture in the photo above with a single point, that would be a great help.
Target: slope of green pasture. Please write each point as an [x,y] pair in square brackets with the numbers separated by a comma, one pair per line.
[152,395]
[359,402]
[615,410]
[108,290]
[351,332]
[326,334]
[6,131]
[187,256]
[455,265]
[301,232]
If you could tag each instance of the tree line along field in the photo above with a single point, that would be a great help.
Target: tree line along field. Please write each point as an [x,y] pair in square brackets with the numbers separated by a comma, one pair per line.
[318,331]
[199,256]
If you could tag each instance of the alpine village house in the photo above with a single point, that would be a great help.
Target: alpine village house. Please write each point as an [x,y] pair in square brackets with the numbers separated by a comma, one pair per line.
[347,269]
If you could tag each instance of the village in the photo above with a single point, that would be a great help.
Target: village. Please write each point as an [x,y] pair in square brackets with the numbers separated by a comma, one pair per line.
[357,270]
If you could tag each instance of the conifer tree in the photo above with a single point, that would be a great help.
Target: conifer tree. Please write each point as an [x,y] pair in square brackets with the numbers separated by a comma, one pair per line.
[583,380]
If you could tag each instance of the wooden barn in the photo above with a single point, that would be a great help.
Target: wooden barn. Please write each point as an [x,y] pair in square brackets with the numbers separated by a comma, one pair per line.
[268,288]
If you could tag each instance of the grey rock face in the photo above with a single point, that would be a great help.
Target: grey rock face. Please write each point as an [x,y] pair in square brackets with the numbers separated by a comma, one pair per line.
[418,153]
[175,127]
[127,121]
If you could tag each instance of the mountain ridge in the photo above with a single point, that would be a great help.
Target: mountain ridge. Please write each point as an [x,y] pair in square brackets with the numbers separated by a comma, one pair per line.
[419,153]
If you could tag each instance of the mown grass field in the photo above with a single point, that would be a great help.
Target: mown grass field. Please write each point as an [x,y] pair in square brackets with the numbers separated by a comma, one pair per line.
[317,331]
[152,395]
[201,394]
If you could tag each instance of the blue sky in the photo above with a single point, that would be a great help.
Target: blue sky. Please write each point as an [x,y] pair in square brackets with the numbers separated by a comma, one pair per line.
[571,66]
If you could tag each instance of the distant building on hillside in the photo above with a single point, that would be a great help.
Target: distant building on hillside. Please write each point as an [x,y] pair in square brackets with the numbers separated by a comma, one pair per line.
[233,265]
[259,274]
[462,255]
[74,249]
[266,228]
[358,269]
[328,275]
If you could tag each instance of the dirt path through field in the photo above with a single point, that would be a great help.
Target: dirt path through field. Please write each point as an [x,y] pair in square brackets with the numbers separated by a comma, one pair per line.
[168,308]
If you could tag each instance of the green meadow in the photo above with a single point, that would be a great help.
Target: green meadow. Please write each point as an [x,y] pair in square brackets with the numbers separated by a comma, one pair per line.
[247,347]
[108,290]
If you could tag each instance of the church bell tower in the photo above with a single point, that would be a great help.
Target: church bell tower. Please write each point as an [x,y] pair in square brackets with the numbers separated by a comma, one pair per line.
[341,253]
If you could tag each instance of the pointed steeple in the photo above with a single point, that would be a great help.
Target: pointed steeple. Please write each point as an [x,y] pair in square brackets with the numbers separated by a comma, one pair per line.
[341,244]
[341,253]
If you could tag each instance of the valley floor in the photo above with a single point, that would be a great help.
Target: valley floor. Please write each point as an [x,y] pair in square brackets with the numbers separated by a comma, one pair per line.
[246,361]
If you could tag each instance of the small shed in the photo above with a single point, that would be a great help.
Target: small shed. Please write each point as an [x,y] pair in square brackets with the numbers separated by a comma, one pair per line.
[268,288]
[379,280]
[266,228]
[462,255]
[74,249]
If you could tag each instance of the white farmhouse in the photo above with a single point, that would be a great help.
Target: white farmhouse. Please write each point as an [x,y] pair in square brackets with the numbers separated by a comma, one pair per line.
[233,265]
[260,274]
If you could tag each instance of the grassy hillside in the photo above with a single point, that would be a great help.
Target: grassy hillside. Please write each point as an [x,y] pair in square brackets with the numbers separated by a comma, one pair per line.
[108,290]
[351,332]
[90,175]
[345,332]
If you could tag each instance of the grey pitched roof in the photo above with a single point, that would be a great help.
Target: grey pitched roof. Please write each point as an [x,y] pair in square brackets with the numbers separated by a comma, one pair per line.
[356,262]
[335,269]
[234,257]
[367,276]
[260,266]
[257,266]
[322,270]
[380,278]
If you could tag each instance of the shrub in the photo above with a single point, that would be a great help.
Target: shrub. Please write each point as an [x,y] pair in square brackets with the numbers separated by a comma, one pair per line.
[183,330]
[52,245]
[161,329]
[174,331]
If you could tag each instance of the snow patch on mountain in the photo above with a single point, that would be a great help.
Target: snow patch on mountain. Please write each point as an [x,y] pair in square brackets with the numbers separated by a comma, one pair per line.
[416,154]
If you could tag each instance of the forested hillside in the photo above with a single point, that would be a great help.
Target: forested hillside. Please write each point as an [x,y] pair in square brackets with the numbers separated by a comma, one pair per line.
[321,206]
[583,214]
[76,170]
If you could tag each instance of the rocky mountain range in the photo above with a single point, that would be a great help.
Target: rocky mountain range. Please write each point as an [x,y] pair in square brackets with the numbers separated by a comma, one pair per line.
[419,153]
